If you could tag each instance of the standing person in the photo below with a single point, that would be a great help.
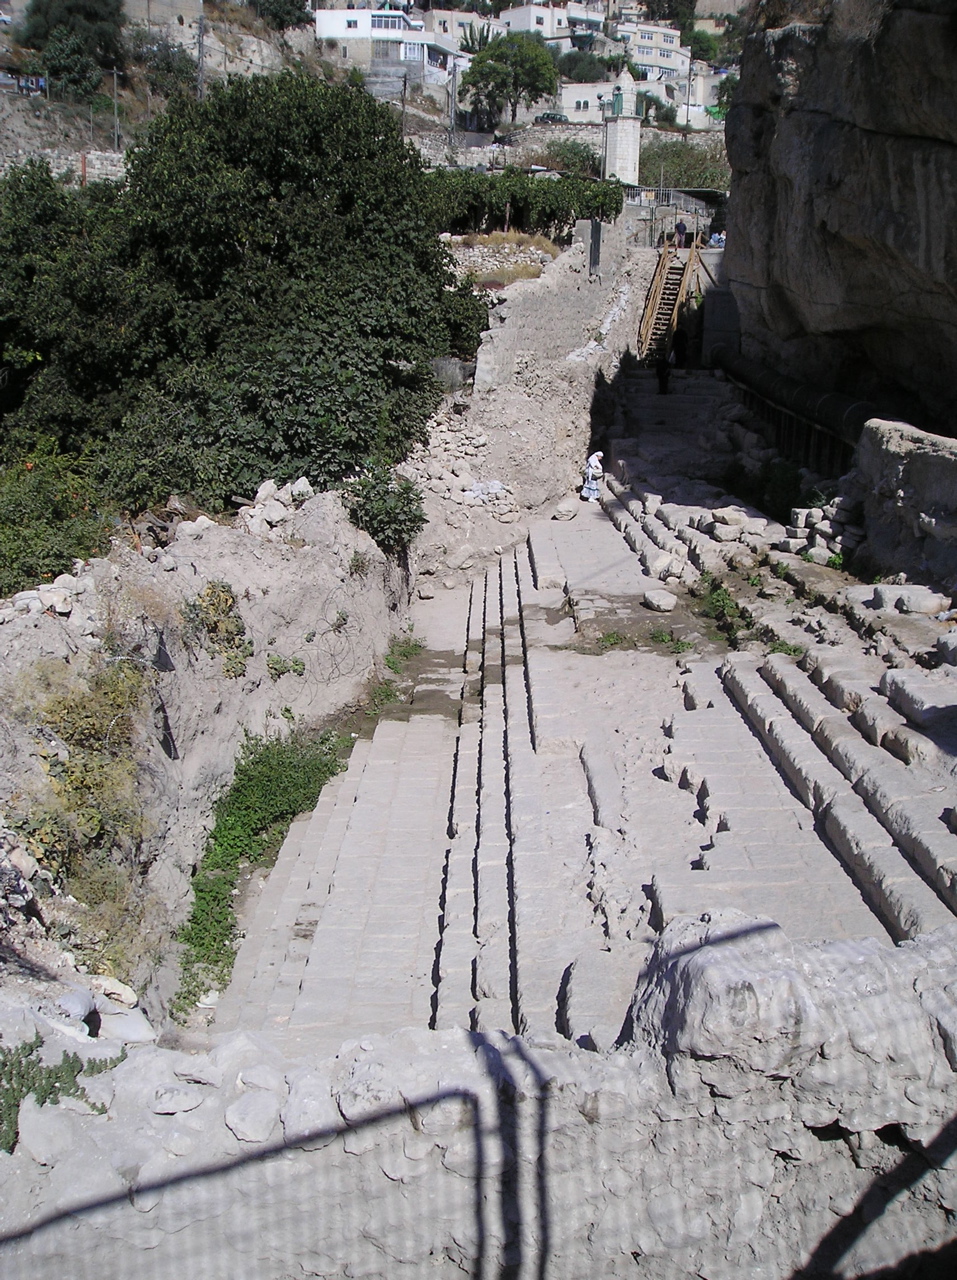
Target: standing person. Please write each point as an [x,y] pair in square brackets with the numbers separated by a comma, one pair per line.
[593,473]
[680,230]
[663,372]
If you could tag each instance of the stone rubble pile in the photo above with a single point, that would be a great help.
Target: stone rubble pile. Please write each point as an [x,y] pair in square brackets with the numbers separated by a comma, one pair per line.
[835,528]
[490,261]
[272,507]
[450,465]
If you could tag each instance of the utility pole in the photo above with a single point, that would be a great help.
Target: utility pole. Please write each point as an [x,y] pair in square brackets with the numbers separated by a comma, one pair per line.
[201,59]
[116,116]
[405,85]
[455,79]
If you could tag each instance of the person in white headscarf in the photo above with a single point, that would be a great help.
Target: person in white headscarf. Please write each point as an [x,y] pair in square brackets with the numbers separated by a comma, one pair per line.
[593,473]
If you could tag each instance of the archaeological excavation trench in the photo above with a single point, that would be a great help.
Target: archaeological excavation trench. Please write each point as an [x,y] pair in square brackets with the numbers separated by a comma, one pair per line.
[623,946]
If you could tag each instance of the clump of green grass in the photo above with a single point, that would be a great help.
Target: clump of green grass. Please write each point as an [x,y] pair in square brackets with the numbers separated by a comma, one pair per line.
[380,696]
[779,569]
[275,779]
[660,636]
[611,640]
[402,649]
[836,561]
[782,646]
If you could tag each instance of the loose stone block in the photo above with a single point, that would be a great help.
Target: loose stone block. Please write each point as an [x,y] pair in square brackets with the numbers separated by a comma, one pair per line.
[660,601]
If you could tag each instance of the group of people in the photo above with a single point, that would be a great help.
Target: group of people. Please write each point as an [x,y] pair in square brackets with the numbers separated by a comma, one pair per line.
[681,237]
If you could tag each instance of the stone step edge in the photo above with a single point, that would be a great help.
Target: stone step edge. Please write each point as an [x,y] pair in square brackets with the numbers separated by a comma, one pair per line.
[273,893]
[276,934]
[898,795]
[886,877]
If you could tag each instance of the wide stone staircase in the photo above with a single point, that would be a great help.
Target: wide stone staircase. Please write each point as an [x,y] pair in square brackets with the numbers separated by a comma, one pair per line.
[503,847]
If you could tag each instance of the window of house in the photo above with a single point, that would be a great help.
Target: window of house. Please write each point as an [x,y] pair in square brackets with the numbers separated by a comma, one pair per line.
[665,53]
[386,50]
[344,50]
[539,22]
[352,23]
[392,22]
[668,39]
[578,105]
[647,35]
[561,22]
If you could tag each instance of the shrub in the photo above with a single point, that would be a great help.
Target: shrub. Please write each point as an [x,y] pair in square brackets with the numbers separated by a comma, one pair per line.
[48,517]
[23,1072]
[275,779]
[387,506]
[212,618]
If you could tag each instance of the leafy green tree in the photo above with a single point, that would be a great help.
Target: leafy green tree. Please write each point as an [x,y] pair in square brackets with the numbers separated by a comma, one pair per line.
[282,14]
[169,67]
[703,45]
[582,68]
[264,296]
[726,91]
[97,24]
[575,158]
[72,73]
[679,11]
[513,69]
[704,166]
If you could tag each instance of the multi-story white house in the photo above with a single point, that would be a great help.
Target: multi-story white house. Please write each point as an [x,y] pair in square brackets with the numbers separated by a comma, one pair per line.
[456,23]
[656,50]
[547,20]
[384,39]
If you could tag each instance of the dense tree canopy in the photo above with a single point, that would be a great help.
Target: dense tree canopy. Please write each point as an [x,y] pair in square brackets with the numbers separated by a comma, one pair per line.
[261,298]
[510,70]
[97,24]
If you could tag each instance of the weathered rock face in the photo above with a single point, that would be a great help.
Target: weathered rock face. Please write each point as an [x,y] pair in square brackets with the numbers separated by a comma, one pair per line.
[842,245]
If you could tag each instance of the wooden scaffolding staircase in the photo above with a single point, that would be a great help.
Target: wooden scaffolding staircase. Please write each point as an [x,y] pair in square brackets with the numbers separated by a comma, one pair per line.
[675,278]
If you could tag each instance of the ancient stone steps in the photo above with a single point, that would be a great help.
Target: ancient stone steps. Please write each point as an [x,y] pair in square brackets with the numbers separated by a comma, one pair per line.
[274,920]
[879,819]
[370,967]
[743,837]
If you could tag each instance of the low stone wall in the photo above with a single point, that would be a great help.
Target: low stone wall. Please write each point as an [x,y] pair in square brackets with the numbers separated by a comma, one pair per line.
[100,165]
[910,502]
[777,1109]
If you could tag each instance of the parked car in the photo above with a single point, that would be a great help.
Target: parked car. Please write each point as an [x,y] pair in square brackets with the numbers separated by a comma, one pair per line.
[5,20]
[551,117]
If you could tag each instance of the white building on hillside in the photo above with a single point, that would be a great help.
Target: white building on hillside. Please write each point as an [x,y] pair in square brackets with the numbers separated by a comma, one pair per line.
[656,50]
[547,20]
[387,40]
[456,23]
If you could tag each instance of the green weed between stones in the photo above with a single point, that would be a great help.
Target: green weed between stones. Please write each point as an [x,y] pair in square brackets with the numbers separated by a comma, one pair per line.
[675,646]
[611,640]
[23,1073]
[782,646]
[401,650]
[380,696]
[275,779]
[718,603]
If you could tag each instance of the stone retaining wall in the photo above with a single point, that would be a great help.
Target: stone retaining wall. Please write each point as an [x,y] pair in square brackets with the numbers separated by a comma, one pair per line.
[911,499]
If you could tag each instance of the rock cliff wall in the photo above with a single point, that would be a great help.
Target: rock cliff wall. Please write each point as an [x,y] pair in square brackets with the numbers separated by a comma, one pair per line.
[842,244]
